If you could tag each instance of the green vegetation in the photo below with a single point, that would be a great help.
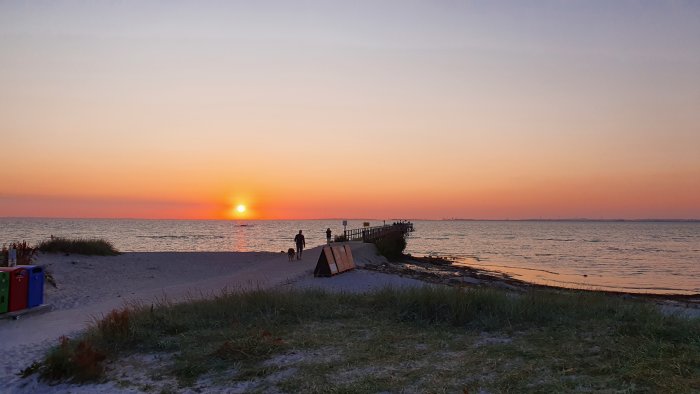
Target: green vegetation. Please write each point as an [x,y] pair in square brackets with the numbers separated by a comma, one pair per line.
[25,253]
[432,339]
[391,245]
[87,246]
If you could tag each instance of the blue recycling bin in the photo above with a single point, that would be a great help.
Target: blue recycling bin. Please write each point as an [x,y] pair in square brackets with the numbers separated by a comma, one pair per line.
[35,292]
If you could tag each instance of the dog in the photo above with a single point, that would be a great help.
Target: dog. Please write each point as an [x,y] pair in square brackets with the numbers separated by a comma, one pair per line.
[290,254]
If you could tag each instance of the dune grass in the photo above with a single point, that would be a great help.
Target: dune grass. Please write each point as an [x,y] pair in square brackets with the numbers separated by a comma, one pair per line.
[85,246]
[416,340]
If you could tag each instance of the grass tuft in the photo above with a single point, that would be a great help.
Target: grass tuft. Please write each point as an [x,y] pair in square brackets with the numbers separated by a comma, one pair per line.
[254,346]
[85,246]
[115,326]
[73,360]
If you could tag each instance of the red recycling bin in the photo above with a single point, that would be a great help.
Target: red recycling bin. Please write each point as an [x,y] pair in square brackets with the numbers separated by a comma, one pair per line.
[19,282]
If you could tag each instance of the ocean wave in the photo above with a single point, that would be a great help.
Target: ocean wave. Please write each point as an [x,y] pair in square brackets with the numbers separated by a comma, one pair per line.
[181,236]
[489,266]
[617,287]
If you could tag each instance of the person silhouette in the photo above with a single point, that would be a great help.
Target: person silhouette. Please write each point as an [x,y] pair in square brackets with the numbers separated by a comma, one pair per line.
[301,243]
[328,236]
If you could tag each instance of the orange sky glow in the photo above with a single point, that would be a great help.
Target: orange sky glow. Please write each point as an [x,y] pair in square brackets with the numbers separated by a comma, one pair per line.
[338,110]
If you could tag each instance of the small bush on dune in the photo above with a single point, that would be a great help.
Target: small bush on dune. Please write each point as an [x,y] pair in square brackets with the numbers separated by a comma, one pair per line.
[81,359]
[392,245]
[73,360]
[94,246]
[25,253]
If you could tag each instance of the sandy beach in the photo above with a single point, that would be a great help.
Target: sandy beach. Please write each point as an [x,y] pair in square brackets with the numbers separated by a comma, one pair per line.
[89,287]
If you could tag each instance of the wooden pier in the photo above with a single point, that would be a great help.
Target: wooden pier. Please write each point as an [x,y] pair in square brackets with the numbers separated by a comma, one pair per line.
[371,234]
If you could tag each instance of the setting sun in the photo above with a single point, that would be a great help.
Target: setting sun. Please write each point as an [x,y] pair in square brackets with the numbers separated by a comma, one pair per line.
[240,208]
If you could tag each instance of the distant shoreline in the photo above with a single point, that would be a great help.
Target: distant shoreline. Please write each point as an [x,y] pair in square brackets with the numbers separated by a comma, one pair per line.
[577,220]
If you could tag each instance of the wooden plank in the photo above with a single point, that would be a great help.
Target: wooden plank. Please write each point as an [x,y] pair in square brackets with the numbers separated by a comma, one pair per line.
[349,259]
[339,253]
[331,260]
[29,311]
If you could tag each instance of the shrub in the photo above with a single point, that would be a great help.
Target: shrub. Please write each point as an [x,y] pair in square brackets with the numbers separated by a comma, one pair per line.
[391,245]
[25,253]
[78,361]
[81,360]
[86,246]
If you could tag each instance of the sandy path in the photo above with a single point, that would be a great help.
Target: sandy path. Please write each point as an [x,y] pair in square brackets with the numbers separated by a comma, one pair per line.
[84,280]
[92,286]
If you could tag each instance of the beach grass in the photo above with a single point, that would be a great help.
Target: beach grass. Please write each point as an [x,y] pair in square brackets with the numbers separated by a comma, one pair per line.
[430,339]
[84,246]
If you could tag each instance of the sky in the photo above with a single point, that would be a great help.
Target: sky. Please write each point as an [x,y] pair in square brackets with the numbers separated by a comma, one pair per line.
[362,109]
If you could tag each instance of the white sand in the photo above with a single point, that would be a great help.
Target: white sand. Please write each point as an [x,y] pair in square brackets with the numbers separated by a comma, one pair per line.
[89,287]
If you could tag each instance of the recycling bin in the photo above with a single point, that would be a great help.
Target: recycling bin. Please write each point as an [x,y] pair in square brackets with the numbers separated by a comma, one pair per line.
[18,280]
[4,291]
[35,293]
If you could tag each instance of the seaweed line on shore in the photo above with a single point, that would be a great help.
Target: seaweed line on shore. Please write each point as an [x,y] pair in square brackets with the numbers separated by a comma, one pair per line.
[445,271]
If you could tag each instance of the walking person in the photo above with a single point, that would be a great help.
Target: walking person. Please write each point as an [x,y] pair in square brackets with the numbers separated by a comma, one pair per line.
[301,243]
[328,236]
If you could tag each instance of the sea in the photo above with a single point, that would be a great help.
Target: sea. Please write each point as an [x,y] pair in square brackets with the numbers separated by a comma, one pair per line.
[637,257]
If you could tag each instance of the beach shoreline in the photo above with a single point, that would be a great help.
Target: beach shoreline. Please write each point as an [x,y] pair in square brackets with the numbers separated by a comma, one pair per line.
[445,268]
[443,271]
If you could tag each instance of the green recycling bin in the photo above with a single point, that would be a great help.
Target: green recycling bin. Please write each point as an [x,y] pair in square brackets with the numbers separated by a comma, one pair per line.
[4,291]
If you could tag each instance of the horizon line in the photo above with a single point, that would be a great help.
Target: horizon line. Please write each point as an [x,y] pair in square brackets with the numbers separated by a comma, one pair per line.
[375,219]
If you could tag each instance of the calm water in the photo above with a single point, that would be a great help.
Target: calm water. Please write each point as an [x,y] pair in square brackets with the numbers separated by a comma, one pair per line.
[638,256]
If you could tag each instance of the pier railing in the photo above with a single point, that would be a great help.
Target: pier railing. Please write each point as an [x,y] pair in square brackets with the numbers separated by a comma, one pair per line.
[370,234]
